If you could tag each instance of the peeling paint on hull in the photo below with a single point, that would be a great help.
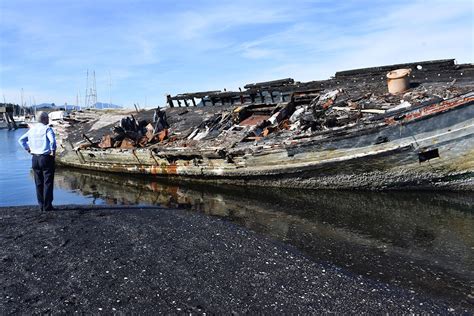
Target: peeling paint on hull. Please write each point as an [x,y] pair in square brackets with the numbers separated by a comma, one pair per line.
[442,134]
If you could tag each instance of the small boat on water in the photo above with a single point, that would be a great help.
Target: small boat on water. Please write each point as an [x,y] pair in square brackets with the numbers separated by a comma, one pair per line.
[346,132]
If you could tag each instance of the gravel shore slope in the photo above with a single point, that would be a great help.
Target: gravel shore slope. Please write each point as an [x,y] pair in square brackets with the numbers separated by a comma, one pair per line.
[149,259]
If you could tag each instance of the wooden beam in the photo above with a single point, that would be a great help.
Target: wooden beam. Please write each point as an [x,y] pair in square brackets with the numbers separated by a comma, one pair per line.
[273,83]
[170,101]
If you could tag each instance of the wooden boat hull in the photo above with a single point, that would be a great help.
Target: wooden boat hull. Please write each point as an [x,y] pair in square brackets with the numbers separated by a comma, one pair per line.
[425,148]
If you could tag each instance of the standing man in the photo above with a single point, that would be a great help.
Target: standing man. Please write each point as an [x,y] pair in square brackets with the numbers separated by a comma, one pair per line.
[40,142]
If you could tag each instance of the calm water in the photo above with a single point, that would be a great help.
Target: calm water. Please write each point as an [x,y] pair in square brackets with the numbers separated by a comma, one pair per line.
[16,178]
[418,240]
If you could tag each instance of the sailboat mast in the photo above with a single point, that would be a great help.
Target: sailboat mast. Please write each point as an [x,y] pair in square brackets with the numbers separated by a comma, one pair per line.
[22,105]
[94,92]
[110,89]
[86,101]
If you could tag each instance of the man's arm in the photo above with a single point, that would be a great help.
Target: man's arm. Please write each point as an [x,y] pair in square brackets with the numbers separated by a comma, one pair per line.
[23,141]
[52,140]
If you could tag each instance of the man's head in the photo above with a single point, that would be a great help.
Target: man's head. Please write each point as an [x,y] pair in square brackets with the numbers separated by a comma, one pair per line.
[42,117]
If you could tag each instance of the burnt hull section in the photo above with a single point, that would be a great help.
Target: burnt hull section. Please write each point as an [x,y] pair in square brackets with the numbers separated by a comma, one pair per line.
[410,150]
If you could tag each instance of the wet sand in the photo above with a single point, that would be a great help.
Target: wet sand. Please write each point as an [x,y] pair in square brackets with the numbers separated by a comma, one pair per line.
[150,259]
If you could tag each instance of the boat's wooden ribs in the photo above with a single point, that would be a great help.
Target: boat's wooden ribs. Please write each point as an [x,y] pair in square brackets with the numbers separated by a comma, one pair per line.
[370,79]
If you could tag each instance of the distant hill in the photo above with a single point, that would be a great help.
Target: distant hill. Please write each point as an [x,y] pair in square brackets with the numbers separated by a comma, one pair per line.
[100,105]
[43,106]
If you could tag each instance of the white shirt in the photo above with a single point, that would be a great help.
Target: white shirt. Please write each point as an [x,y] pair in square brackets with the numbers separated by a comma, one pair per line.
[39,139]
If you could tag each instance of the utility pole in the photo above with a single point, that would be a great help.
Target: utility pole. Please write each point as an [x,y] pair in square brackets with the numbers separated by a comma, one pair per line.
[91,93]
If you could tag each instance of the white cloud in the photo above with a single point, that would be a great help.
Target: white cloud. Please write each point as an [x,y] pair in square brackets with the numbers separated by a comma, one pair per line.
[314,50]
[207,45]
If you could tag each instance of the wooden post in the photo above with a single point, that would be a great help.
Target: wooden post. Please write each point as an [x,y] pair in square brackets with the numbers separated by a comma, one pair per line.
[262,99]
[170,101]
[271,96]
[194,101]
[5,117]
[7,113]
[12,120]
[203,102]
[88,139]
[252,97]
[186,102]
[179,103]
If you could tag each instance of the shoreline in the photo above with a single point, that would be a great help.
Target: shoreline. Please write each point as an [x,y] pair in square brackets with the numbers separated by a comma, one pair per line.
[152,259]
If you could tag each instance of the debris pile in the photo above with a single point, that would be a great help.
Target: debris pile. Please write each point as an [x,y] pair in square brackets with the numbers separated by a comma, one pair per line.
[132,133]
[332,108]
[210,128]
[306,113]
[281,109]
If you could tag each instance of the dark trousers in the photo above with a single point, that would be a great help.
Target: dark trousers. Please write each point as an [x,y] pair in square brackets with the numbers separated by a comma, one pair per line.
[43,168]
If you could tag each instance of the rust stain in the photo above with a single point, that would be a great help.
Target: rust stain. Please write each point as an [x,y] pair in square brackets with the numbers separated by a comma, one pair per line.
[431,109]
[172,168]
[254,120]
[154,170]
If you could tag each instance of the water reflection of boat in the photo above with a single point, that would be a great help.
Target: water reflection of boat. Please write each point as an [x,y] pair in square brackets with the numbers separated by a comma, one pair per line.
[418,240]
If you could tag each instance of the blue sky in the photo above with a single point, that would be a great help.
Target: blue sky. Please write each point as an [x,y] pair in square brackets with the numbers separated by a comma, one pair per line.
[154,47]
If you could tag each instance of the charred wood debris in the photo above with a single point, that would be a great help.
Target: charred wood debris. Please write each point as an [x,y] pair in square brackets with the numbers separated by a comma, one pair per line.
[285,109]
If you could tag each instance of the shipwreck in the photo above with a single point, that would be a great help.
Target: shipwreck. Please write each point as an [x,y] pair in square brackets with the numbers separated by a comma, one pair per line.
[348,131]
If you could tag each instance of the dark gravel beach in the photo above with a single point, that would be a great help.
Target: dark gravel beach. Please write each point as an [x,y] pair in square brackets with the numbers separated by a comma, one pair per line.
[148,260]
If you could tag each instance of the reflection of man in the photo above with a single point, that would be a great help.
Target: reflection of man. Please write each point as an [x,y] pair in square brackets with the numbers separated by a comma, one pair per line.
[40,141]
